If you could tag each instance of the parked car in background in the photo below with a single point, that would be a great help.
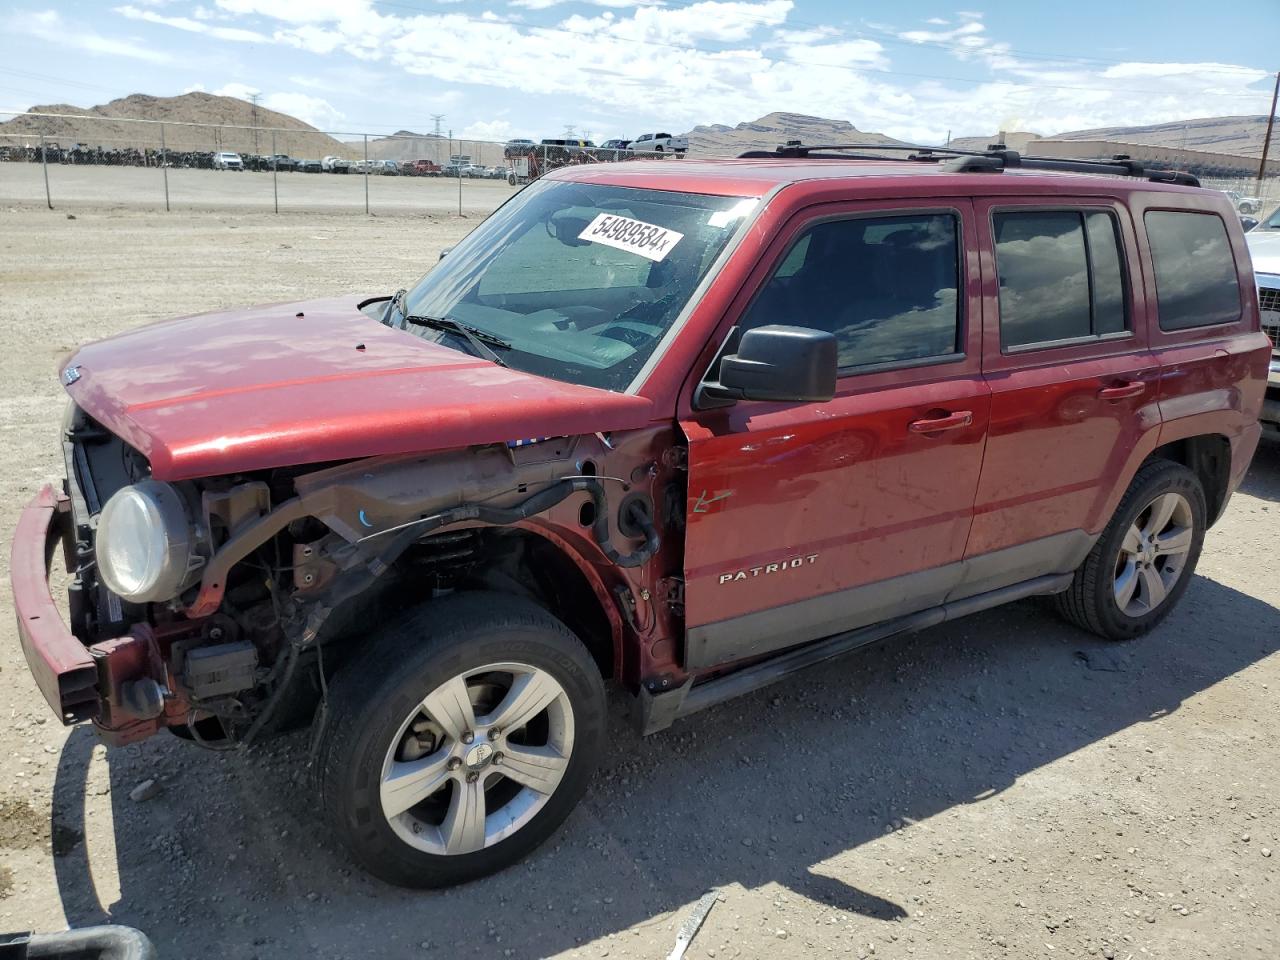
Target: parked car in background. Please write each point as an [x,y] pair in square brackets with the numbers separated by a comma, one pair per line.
[615,145]
[226,160]
[310,166]
[474,170]
[1264,250]
[283,162]
[333,164]
[1245,205]
[771,413]
[517,145]
[660,143]
[388,168]
[421,168]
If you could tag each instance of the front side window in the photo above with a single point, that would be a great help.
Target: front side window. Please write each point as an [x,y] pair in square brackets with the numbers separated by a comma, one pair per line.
[582,280]
[887,287]
[1061,276]
[1196,282]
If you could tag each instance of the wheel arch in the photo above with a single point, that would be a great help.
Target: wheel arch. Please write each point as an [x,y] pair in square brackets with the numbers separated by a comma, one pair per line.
[533,561]
[1208,456]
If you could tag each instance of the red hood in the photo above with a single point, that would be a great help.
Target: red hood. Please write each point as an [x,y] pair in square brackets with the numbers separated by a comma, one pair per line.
[285,384]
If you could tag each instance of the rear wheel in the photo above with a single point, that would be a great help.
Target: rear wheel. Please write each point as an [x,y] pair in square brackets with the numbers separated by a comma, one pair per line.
[461,740]
[1142,563]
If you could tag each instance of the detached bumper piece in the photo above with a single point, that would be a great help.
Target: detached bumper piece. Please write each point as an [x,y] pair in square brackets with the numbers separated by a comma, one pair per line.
[61,665]
[90,943]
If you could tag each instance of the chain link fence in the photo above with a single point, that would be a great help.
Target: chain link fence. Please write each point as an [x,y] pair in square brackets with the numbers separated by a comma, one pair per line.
[72,160]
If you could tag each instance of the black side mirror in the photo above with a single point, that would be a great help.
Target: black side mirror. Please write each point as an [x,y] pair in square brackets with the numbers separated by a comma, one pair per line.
[443,253]
[776,362]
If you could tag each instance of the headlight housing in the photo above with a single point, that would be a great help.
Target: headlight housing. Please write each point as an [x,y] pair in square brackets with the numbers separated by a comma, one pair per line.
[145,544]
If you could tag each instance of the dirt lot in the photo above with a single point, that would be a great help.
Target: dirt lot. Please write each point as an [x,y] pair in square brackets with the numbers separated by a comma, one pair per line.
[1004,786]
[79,187]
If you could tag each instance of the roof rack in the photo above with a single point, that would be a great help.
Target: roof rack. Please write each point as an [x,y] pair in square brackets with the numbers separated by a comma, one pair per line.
[995,159]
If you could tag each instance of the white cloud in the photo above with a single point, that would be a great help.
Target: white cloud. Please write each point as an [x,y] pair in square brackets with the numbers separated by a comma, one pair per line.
[49,26]
[234,34]
[313,110]
[194,88]
[639,62]
[487,130]
[241,91]
[544,4]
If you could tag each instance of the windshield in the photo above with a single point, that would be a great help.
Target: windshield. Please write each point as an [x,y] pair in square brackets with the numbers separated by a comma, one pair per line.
[582,280]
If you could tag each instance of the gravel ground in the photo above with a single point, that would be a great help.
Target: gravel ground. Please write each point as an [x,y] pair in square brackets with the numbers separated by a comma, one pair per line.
[1004,786]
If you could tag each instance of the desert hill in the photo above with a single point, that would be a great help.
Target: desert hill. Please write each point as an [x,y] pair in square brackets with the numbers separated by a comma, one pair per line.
[718,140]
[294,137]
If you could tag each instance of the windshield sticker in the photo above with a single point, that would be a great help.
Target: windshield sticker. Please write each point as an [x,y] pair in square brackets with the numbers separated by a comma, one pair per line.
[637,236]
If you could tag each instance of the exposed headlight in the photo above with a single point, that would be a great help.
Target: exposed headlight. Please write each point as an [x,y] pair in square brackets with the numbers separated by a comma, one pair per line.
[145,544]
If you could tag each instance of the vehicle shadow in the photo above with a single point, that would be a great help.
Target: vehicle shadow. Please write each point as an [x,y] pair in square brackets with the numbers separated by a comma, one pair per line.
[232,858]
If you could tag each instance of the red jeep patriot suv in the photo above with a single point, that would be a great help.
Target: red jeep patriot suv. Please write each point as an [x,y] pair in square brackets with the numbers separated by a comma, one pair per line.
[686,427]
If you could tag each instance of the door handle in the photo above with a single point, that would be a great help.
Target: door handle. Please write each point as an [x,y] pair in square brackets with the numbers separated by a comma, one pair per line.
[952,421]
[1133,388]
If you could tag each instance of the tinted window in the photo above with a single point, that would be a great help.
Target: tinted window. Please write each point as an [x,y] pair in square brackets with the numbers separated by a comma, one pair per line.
[1060,276]
[885,286]
[1107,288]
[1196,281]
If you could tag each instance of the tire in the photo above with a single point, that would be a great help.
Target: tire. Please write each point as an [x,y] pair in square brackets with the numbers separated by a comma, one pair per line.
[376,704]
[1093,601]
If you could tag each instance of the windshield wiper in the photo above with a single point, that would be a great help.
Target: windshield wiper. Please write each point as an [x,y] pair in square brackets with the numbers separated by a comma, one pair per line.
[482,341]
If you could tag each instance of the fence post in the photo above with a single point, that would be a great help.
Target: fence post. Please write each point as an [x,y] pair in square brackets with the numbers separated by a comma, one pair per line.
[275,170]
[44,162]
[164,165]
[366,174]
[459,182]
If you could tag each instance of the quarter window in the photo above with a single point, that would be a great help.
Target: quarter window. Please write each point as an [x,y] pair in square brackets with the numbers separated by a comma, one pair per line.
[1196,282]
[1061,277]
[887,287]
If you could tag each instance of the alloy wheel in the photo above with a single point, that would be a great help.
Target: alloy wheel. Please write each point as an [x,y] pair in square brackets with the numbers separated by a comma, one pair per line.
[1153,554]
[477,758]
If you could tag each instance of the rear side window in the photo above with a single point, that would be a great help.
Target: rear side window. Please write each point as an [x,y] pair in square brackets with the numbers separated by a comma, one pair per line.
[887,287]
[1196,282]
[1061,277]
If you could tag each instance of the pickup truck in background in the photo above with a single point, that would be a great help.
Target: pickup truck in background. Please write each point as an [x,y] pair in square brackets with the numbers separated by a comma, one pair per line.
[660,143]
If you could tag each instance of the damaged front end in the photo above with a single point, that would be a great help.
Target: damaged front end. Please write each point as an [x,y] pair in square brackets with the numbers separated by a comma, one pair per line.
[216,607]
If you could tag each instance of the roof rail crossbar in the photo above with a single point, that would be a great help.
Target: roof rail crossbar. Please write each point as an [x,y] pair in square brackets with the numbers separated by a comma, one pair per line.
[992,160]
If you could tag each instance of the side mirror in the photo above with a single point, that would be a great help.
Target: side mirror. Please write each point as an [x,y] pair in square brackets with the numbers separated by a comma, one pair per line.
[776,362]
[443,253]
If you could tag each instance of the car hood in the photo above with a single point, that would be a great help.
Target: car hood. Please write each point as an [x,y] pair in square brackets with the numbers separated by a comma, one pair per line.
[1264,250]
[299,383]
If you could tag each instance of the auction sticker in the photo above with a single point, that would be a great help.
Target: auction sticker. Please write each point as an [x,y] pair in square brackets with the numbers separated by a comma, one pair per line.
[637,236]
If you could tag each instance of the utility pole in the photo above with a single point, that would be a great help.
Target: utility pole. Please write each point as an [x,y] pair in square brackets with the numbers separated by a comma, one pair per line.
[569,133]
[437,119]
[1266,143]
[253,99]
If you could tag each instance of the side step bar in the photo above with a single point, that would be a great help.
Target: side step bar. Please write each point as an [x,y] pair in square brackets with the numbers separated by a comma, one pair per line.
[659,711]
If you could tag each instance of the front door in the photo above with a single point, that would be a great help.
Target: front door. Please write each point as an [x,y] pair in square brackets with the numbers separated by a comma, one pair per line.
[808,519]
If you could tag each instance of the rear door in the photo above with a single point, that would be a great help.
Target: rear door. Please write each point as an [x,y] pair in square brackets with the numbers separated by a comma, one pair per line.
[1073,383]
[807,519]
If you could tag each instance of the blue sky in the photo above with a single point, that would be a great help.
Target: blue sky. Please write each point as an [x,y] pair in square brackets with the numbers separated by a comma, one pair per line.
[618,67]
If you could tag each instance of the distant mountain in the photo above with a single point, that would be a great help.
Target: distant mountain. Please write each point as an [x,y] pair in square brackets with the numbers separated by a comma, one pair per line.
[719,140]
[296,138]
[1241,136]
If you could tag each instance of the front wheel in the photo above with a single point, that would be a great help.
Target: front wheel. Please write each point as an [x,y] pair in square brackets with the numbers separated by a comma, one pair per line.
[1143,562]
[461,740]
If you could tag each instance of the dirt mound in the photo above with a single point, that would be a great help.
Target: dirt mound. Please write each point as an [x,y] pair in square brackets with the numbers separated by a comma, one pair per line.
[229,126]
